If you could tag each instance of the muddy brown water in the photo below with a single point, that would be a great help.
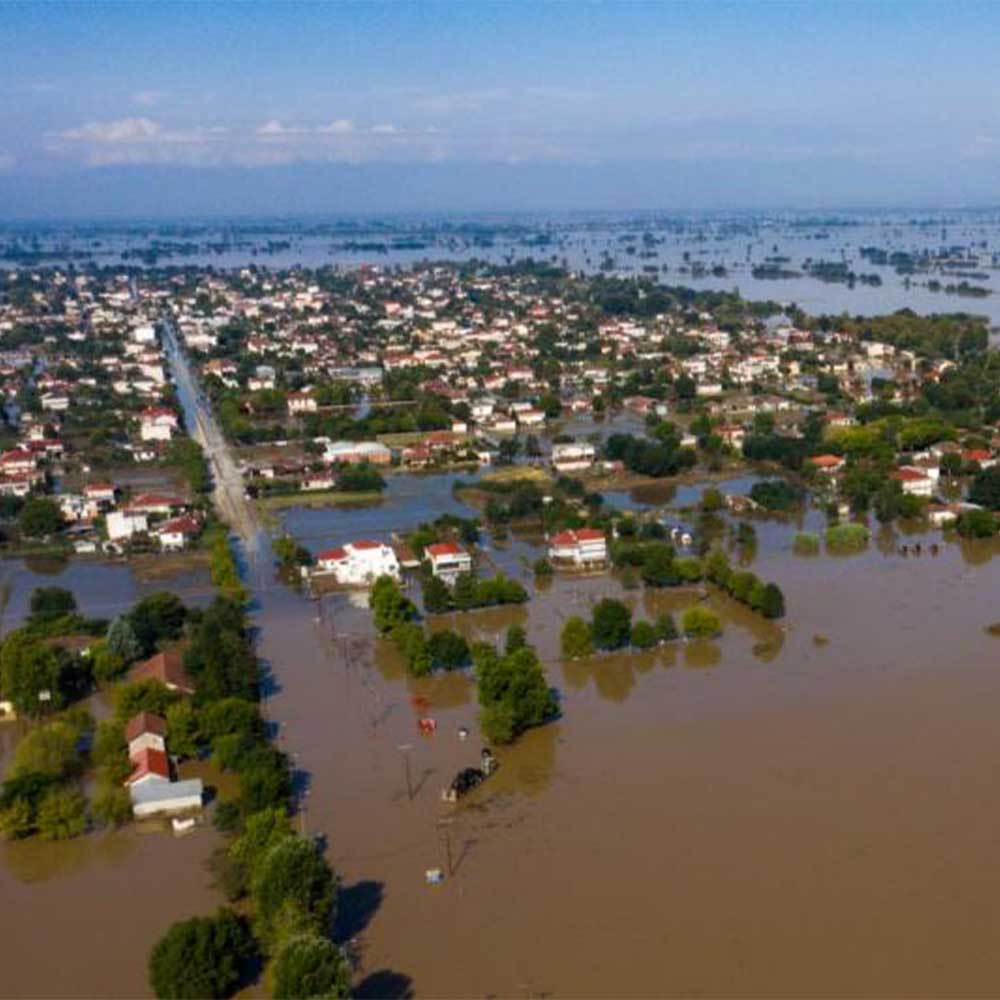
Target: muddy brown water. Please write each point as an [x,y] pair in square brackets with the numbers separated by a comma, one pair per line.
[758,815]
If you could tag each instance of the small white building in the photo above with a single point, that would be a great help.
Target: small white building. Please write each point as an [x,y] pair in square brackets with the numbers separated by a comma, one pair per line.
[157,424]
[358,564]
[123,524]
[915,482]
[448,560]
[583,547]
[573,457]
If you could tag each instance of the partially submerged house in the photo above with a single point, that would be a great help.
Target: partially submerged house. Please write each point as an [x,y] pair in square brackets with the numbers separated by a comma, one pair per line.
[151,785]
[584,547]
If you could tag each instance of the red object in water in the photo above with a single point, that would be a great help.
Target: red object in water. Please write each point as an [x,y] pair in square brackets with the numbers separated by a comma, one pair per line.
[427,727]
[419,702]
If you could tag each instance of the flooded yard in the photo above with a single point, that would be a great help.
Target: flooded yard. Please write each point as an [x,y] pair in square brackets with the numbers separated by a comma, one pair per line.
[765,814]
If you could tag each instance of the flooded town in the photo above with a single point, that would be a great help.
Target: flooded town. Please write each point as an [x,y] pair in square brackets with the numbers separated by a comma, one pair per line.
[502,628]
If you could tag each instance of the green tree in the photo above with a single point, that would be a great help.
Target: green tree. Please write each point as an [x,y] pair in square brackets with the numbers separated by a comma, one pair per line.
[512,691]
[50,751]
[105,664]
[307,966]
[202,957]
[182,729]
[643,635]
[611,625]
[40,517]
[292,874]
[976,524]
[666,630]
[515,639]
[985,489]
[576,640]
[62,814]
[658,568]
[437,596]
[30,670]
[111,804]
[390,607]
[700,623]
[122,640]
[448,650]
[156,618]
[49,603]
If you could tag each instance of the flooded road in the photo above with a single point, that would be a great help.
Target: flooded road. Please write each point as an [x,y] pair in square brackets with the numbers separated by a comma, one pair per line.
[760,816]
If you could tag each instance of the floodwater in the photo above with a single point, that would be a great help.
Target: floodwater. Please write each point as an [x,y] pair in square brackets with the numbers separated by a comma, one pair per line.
[769,814]
[794,809]
[79,918]
[687,250]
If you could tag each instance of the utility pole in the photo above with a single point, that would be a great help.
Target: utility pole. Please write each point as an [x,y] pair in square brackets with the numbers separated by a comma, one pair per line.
[405,749]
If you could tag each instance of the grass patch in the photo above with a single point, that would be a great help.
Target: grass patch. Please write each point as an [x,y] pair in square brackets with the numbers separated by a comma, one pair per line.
[314,498]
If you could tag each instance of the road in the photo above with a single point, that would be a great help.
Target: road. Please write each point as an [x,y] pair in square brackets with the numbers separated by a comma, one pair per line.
[230,498]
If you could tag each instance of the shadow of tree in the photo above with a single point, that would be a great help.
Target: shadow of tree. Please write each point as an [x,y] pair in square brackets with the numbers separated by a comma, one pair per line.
[384,985]
[356,905]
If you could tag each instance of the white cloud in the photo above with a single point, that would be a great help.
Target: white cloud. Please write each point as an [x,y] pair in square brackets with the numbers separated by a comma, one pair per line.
[386,128]
[120,130]
[340,126]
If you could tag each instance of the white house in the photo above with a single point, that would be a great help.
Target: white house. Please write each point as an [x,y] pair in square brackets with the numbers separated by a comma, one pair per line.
[157,424]
[357,564]
[357,451]
[122,524]
[915,482]
[448,560]
[583,547]
[149,784]
[573,457]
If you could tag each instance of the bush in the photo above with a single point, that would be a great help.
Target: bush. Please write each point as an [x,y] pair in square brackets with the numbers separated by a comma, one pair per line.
[700,623]
[611,625]
[202,957]
[448,650]
[543,569]
[40,517]
[666,630]
[576,640]
[847,536]
[806,544]
[111,804]
[437,596]
[777,495]
[643,635]
[62,814]
[360,478]
[976,524]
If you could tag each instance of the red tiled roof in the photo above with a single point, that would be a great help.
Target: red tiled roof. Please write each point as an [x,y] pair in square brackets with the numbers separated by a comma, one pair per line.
[444,549]
[167,668]
[145,722]
[148,761]
[365,543]
[332,555]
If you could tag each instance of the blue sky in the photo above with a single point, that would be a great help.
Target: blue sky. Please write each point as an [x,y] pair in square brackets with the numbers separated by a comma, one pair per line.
[136,109]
